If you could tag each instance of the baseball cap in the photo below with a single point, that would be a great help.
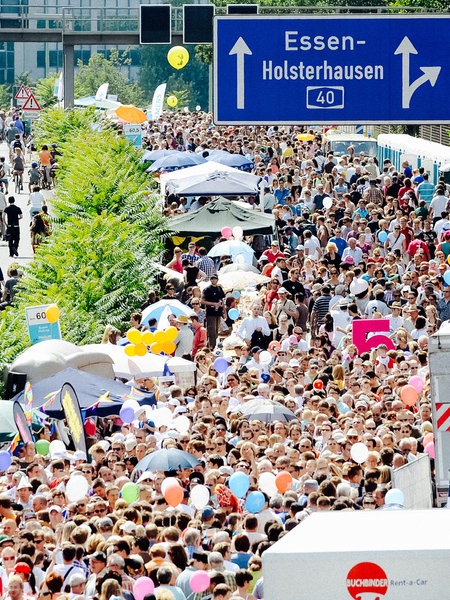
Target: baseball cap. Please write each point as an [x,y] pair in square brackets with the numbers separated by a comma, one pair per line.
[207,513]
[300,247]
[22,567]
[282,290]
[128,527]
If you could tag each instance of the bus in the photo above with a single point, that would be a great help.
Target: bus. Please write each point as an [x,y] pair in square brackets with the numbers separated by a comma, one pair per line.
[339,142]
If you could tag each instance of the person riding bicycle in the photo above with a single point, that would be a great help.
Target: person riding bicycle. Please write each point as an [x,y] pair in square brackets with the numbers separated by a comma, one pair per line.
[16,143]
[45,162]
[18,166]
[34,175]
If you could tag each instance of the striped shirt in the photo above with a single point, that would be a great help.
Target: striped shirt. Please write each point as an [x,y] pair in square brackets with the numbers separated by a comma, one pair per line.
[321,307]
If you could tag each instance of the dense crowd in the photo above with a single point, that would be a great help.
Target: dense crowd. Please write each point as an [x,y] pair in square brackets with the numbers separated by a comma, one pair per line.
[290,411]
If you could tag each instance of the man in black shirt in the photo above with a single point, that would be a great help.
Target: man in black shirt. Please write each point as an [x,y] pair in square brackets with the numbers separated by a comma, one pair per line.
[293,285]
[11,217]
[212,299]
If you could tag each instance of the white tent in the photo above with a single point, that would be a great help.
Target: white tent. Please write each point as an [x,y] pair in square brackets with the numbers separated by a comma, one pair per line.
[195,174]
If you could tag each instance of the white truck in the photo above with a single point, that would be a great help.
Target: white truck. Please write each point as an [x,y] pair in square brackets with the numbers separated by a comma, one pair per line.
[364,555]
[439,360]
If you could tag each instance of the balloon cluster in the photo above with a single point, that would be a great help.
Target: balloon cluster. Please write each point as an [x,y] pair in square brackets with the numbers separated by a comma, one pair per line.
[237,232]
[158,341]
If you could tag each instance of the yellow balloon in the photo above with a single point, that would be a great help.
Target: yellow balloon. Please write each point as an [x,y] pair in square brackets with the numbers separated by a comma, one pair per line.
[134,336]
[160,337]
[172,101]
[171,333]
[52,313]
[130,350]
[141,349]
[178,57]
[156,348]
[168,347]
[148,337]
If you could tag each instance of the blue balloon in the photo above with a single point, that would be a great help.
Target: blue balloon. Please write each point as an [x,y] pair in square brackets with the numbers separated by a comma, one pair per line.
[255,502]
[382,236]
[233,314]
[236,294]
[5,460]
[221,365]
[447,277]
[127,414]
[239,484]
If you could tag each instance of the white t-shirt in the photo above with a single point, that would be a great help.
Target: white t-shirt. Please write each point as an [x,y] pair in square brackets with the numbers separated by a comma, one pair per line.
[313,246]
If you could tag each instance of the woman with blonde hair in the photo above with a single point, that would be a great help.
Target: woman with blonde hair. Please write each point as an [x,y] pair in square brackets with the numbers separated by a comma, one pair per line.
[338,374]
[332,255]
[111,335]
[110,587]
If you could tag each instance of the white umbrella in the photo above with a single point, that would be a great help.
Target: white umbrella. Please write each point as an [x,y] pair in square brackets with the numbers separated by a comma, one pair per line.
[161,309]
[150,365]
[238,267]
[239,280]
[233,248]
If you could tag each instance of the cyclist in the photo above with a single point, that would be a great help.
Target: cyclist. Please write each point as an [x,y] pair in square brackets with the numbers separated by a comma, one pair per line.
[18,168]
[16,143]
[45,162]
[34,175]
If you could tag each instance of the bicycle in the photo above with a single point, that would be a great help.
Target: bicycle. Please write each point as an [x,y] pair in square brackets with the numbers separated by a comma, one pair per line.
[18,181]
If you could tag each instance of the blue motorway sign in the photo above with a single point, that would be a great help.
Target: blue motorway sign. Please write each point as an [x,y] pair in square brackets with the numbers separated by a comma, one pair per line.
[330,69]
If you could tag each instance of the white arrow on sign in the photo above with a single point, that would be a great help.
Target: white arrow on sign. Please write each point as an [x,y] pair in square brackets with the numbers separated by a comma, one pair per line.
[240,48]
[405,48]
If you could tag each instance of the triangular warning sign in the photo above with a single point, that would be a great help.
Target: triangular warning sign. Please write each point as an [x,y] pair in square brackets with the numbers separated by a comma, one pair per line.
[22,94]
[31,103]
[28,91]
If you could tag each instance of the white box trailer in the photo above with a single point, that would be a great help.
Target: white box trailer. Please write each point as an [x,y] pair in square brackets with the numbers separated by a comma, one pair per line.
[364,555]
[439,361]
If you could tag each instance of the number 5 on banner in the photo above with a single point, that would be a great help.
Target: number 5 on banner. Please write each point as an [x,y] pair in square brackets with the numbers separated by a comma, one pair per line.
[362,327]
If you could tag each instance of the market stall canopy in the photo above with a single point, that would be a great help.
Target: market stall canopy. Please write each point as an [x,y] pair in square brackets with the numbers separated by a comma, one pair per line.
[214,216]
[217,183]
[197,173]
[89,388]
[8,427]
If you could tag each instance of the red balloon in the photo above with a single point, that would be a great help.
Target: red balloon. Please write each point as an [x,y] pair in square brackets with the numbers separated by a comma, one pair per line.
[174,494]
[283,481]
[89,427]
[318,384]
[409,395]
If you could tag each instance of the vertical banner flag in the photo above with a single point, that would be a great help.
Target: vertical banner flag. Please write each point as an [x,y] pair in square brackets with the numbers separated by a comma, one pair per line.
[21,423]
[71,406]
[157,102]
[102,92]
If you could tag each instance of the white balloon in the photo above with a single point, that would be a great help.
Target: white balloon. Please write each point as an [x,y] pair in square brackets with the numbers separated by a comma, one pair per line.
[132,404]
[265,357]
[77,488]
[57,445]
[359,452]
[161,416]
[200,496]
[198,107]
[395,496]
[182,424]
[238,232]
[186,109]
[327,203]
[266,484]
[167,481]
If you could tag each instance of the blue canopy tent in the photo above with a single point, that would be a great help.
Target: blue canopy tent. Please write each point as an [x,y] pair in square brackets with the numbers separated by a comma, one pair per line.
[89,389]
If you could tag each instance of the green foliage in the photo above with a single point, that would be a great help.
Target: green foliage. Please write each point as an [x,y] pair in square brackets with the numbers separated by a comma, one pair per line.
[45,91]
[155,70]
[204,53]
[101,70]
[96,266]
[5,96]
[59,126]
[25,79]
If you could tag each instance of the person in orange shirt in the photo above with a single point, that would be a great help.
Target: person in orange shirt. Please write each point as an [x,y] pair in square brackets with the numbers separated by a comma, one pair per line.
[45,162]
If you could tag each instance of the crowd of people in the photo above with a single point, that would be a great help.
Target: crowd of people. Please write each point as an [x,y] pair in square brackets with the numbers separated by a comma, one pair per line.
[284,390]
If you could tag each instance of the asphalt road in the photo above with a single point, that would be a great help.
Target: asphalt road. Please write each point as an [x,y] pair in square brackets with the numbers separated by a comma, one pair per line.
[25,249]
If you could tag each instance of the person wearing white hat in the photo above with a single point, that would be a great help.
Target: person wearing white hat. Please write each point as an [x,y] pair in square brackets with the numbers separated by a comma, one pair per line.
[24,493]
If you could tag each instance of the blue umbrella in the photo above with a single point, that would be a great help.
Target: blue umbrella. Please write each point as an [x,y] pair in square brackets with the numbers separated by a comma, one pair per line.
[167,459]
[231,160]
[152,155]
[161,309]
[176,161]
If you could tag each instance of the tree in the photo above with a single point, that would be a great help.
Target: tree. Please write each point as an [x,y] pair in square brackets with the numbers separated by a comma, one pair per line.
[155,70]
[97,264]
[45,90]
[101,70]
[5,96]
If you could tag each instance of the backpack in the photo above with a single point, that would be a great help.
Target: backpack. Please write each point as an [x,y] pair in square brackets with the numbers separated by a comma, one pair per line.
[2,172]
[17,144]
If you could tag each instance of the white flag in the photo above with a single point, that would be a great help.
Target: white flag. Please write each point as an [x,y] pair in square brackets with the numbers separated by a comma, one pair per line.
[157,102]
[59,87]
[102,92]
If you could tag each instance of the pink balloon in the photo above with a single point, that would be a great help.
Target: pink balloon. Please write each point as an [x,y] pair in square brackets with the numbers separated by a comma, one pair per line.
[227,232]
[142,587]
[293,339]
[417,383]
[199,581]
[429,449]
[427,439]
